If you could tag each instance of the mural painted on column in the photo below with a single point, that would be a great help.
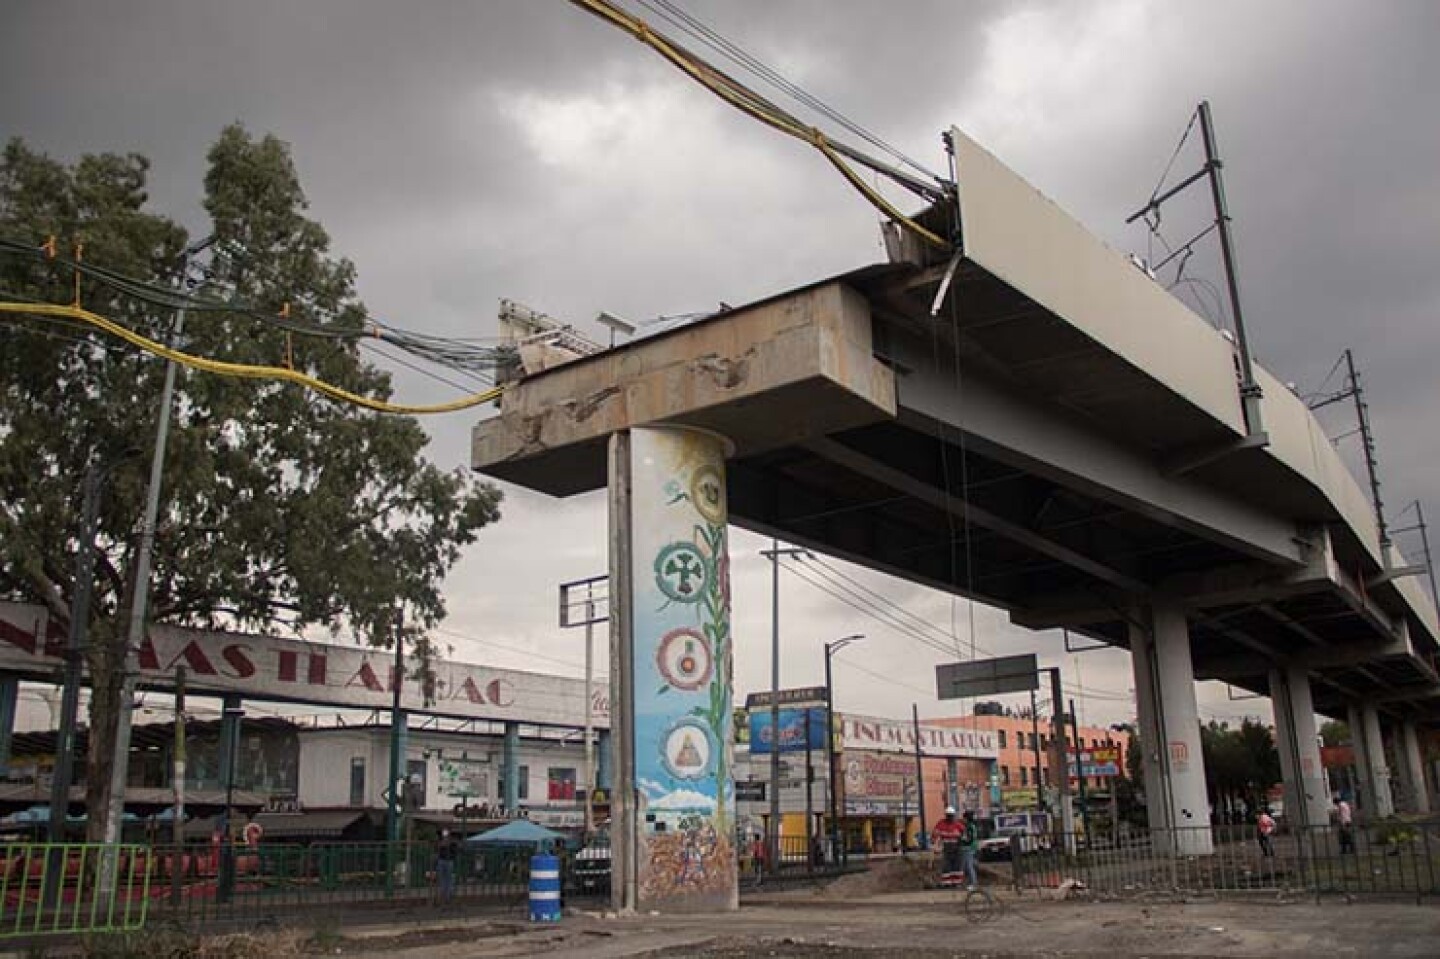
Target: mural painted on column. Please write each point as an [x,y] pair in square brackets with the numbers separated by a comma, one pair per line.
[683,717]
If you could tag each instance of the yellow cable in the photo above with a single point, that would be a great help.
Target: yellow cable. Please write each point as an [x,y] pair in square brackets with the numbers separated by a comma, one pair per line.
[243,370]
[736,95]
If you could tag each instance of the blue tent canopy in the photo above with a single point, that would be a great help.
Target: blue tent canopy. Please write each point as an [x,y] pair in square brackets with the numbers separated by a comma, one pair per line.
[518,832]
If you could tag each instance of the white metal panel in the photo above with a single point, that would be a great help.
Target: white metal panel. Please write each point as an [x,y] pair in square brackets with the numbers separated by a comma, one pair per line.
[1025,239]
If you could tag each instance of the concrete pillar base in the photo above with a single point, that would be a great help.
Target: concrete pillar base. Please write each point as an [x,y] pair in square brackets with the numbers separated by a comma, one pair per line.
[1306,802]
[1376,798]
[1417,797]
[1175,793]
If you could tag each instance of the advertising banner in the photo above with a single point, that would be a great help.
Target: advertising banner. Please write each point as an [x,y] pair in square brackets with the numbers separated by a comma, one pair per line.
[464,778]
[32,644]
[897,735]
[800,729]
[878,784]
[1101,762]
[684,767]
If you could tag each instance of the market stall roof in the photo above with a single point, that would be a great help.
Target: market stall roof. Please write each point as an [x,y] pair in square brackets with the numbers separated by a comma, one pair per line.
[518,832]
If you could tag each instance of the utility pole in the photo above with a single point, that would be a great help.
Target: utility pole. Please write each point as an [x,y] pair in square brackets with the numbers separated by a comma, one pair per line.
[774,553]
[1080,771]
[1354,390]
[589,592]
[1250,392]
[177,826]
[1035,750]
[1424,545]
[919,775]
[75,651]
[589,719]
[394,811]
[809,797]
[837,849]
[63,773]
[135,631]
[1065,816]
[1249,389]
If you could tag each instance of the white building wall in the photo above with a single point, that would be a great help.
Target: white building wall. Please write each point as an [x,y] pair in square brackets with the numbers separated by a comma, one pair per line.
[326,757]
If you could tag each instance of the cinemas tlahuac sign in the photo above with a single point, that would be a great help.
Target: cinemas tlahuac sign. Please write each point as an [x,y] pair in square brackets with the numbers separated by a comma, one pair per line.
[890,735]
[289,670]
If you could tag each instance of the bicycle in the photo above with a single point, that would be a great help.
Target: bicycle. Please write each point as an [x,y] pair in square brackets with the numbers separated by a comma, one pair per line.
[980,906]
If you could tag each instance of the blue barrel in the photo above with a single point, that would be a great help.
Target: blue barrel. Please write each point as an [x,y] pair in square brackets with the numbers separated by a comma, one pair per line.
[544,889]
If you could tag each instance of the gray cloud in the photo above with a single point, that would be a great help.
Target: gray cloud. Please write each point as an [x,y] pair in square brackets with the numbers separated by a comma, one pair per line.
[460,152]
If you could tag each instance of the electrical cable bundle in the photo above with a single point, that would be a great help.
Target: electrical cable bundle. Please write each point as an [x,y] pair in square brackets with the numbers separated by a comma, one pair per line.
[463,356]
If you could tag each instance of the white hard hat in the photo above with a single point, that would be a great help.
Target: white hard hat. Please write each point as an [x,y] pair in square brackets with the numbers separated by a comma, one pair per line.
[949,810]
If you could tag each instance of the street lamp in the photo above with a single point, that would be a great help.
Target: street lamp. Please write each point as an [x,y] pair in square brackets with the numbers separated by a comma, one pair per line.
[831,648]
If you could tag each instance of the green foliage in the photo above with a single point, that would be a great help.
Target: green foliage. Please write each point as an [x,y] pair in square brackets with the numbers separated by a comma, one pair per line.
[281,509]
[1335,733]
[1240,762]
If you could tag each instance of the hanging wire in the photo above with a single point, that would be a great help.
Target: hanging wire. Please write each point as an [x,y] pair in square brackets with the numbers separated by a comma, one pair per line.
[738,55]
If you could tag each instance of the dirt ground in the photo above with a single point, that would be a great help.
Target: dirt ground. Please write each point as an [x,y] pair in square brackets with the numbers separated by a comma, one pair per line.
[930,925]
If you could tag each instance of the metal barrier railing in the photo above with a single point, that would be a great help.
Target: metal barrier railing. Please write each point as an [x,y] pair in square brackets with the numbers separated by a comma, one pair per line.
[56,888]
[1385,859]
[273,879]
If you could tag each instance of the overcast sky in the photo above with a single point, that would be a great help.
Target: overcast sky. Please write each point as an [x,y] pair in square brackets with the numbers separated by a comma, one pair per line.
[461,152]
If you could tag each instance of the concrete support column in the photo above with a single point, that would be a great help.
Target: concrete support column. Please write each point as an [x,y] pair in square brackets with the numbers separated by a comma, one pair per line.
[1175,794]
[1413,769]
[1306,803]
[671,669]
[1370,754]
[510,766]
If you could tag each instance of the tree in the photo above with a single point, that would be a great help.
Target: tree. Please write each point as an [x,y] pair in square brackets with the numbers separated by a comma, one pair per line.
[1333,732]
[1240,764]
[281,509]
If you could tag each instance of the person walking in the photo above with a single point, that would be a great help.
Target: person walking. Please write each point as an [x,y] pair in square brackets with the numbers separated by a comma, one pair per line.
[1264,829]
[969,845]
[447,850]
[1345,819]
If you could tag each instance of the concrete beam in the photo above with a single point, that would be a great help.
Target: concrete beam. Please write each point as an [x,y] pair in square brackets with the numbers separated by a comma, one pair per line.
[857,462]
[766,376]
[1003,423]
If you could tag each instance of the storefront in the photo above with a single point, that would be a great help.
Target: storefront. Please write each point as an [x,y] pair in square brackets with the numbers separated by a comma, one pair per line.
[884,784]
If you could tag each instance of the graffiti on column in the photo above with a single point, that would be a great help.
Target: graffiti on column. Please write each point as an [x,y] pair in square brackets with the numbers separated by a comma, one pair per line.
[683,667]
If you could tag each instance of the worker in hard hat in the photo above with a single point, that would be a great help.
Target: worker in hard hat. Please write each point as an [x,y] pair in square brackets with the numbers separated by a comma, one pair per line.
[949,836]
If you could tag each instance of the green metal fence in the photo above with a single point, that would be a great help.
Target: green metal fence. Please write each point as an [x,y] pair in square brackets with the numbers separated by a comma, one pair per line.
[273,880]
[56,888]
[1387,859]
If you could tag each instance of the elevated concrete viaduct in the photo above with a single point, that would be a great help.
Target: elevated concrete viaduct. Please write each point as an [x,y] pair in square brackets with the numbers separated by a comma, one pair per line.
[1061,438]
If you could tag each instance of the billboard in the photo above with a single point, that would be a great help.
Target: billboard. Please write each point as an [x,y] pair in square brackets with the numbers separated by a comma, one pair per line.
[464,778]
[32,645]
[800,729]
[878,784]
[1101,762]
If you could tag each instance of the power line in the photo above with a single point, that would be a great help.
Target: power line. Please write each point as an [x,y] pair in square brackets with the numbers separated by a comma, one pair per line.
[513,649]
[738,55]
